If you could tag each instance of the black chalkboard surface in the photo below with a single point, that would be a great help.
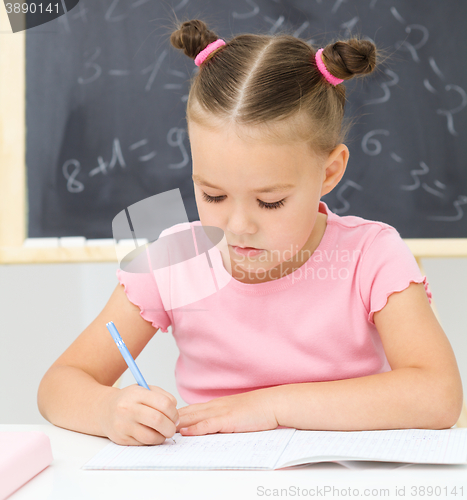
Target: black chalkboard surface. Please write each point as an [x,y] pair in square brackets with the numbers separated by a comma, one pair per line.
[106,97]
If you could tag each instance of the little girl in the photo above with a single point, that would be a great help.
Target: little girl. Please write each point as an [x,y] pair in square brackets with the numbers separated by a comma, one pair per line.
[325,322]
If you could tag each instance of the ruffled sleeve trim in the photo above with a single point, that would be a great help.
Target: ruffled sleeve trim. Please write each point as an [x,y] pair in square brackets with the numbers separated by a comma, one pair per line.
[142,311]
[384,300]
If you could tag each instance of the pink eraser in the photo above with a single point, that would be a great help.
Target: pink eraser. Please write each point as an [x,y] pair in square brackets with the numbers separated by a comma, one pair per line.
[22,456]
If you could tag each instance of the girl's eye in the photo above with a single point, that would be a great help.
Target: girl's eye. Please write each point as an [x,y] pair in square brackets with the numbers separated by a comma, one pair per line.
[276,204]
[262,204]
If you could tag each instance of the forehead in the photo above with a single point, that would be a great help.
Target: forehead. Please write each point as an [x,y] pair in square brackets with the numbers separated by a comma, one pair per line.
[224,160]
[266,189]
[224,149]
[267,134]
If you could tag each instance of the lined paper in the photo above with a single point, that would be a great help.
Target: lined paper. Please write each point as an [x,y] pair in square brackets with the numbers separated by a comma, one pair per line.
[400,445]
[246,450]
[279,448]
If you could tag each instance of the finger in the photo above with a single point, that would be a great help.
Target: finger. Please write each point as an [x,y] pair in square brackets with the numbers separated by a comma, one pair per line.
[207,426]
[154,419]
[160,402]
[125,440]
[193,408]
[145,435]
[192,414]
[155,388]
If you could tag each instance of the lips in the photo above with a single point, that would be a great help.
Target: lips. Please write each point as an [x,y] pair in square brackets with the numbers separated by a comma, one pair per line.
[246,251]
[246,248]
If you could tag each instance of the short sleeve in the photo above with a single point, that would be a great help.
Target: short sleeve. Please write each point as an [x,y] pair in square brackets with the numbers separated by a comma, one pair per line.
[142,291]
[387,266]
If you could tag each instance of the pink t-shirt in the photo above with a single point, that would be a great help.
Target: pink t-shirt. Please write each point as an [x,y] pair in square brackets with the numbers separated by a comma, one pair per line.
[315,324]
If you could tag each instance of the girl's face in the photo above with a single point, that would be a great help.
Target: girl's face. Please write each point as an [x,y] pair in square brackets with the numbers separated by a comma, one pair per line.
[263,196]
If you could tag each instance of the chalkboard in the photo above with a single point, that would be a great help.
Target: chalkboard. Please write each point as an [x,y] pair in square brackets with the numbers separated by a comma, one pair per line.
[106,99]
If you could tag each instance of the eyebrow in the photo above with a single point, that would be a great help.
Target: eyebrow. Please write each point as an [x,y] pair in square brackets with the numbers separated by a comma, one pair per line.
[268,189]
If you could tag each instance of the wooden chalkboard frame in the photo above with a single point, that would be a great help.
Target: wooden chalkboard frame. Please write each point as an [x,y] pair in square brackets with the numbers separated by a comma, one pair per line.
[13,200]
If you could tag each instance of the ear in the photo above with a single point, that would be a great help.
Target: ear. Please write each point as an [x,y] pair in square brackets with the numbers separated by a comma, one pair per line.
[334,168]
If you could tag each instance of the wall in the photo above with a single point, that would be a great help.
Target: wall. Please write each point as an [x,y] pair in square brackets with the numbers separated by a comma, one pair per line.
[43,308]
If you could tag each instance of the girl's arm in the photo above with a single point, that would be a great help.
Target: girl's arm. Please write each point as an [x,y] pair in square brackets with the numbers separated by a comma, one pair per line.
[76,392]
[423,390]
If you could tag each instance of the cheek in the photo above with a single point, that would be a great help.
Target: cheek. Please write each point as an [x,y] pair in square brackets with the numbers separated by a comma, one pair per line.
[293,231]
[208,215]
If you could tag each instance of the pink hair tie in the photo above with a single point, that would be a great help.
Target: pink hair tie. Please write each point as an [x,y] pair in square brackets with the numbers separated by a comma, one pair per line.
[322,67]
[201,57]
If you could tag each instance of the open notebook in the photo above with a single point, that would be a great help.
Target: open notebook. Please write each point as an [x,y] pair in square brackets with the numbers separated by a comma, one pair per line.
[279,448]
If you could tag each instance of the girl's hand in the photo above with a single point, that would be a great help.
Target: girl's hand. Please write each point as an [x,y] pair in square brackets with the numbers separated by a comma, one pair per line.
[247,412]
[136,416]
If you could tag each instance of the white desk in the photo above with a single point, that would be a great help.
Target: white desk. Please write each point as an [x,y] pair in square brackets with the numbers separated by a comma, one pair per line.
[65,480]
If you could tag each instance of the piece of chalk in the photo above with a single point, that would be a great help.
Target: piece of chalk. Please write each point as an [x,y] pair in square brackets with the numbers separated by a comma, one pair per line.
[72,241]
[40,242]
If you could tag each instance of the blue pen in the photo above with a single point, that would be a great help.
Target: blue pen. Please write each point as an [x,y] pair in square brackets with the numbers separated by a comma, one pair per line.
[126,355]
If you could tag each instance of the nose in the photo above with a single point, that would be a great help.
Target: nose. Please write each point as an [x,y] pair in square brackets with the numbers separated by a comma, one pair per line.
[241,222]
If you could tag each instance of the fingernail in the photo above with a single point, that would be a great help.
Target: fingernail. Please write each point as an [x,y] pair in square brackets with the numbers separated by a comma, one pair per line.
[177,422]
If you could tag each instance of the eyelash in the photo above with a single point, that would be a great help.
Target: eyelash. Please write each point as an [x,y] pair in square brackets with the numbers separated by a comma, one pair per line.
[262,204]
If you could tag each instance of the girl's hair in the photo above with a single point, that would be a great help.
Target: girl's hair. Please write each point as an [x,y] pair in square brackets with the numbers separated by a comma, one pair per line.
[270,84]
